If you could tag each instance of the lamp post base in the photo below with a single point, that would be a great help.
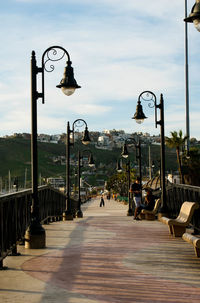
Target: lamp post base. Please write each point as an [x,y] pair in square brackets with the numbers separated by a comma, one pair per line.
[67,216]
[35,237]
[130,212]
[79,214]
[162,212]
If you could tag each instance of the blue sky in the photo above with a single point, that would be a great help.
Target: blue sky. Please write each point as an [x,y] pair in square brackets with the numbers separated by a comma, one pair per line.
[118,49]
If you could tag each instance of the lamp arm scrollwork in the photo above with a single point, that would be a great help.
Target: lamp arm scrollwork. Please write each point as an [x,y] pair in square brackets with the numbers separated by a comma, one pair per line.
[132,140]
[150,97]
[48,56]
[78,123]
[49,53]
[85,151]
[82,153]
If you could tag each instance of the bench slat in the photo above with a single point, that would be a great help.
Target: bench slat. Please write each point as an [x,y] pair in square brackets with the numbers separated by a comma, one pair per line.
[177,226]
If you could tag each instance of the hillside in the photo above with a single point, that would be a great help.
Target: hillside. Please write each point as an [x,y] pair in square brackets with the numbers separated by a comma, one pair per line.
[16,158]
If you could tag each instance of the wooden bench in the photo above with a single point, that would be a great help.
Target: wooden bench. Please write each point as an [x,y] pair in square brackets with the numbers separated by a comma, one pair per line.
[177,226]
[150,214]
[194,240]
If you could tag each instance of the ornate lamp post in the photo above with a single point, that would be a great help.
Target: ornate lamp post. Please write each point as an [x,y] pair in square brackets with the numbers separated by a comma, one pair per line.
[125,155]
[194,16]
[128,171]
[91,164]
[67,215]
[35,234]
[139,116]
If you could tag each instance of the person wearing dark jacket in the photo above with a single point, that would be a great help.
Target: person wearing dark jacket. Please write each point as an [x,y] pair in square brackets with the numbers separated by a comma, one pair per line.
[149,200]
[136,189]
[102,203]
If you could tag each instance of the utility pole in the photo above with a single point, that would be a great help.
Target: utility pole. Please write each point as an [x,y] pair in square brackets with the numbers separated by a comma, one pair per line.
[150,173]
[187,145]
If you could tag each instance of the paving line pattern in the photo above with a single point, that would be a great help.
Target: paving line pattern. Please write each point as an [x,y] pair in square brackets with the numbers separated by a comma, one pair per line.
[105,257]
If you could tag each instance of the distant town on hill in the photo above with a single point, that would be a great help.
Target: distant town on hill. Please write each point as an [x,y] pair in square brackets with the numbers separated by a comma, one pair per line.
[107,139]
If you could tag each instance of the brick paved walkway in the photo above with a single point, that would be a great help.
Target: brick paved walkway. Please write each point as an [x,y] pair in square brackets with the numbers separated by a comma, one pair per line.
[104,257]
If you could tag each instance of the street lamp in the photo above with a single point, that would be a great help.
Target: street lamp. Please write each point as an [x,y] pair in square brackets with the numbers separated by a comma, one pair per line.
[194,16]
[150,97]
[128,171]
[35,234]
[91,164]
[119,167]
[67,215]
[125,154]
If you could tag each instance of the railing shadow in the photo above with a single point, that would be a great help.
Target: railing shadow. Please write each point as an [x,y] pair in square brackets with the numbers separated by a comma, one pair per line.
[15,215]
[51,273]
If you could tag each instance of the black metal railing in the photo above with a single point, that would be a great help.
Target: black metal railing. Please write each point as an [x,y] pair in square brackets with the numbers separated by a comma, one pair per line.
[176,194]
[15,215]
[15,211]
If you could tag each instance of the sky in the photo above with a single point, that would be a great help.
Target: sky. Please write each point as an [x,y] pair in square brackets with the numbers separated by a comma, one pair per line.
[118,49]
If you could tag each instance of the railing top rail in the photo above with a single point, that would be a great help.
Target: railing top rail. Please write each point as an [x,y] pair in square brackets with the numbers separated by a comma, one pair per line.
[28,191]
[184,186]
[14,194]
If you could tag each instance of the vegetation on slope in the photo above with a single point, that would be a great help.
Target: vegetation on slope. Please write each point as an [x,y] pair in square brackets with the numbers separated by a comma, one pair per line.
[16,158]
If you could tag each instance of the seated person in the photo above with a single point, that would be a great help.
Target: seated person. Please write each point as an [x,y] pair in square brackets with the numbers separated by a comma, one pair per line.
[149,200]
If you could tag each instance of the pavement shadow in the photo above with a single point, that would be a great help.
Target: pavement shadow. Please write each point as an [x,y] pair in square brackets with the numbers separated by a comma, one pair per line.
[59,264]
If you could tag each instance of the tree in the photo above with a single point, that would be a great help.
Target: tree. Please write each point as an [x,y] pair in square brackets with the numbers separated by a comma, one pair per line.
[117,183]
[177,141]
[193,141]
[192,163]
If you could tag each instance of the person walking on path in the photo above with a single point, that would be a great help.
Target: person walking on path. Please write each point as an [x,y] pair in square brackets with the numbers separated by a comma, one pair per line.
[102,203]
[136,189]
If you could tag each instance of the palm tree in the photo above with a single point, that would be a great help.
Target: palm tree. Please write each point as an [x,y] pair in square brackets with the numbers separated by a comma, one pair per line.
[177,141]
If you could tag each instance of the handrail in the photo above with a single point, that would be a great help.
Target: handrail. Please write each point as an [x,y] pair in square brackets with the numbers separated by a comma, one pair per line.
[176,195]
[15,215]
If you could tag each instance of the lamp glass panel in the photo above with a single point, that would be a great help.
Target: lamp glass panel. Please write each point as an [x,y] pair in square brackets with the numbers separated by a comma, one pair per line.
[91,165]
[68,91]
[71,137]
[196,23]
[139,121]
[81,162]
[85,142]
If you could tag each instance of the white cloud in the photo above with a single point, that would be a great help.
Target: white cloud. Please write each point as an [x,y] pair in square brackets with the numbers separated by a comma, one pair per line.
[118,49]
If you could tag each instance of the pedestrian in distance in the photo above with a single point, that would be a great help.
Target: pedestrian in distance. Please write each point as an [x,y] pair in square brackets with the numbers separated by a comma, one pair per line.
[136,189]
[102,203]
